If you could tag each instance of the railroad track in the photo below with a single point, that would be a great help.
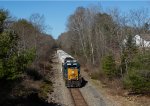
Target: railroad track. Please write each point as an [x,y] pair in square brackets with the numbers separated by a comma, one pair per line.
[77,97]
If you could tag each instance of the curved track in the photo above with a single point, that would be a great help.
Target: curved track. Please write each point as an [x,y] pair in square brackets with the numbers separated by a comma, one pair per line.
[77,97]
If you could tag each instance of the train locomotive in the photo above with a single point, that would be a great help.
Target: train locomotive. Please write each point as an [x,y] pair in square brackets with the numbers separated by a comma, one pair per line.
[71,73]
[70,70]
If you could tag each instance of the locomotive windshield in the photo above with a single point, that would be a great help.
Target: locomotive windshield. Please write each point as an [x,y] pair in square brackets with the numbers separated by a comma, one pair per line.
[72,65]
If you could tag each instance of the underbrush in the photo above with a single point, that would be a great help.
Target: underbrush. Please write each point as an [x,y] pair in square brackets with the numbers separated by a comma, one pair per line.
[137,81]
[114,85]
[95,76]
[45,88]
[34,83]
[34,74]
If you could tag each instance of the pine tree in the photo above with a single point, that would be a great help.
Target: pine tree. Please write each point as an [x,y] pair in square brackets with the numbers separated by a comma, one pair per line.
[11,64]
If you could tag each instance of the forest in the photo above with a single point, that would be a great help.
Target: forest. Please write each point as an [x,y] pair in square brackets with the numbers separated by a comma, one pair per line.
[25,51]
[104,43]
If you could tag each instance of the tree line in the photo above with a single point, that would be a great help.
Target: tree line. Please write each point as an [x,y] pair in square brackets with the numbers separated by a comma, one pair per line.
[97,37]
[23,44]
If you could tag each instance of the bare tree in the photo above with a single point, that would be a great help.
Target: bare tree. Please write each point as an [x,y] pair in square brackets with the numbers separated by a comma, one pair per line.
[38,21]
[138,18]
[76,25]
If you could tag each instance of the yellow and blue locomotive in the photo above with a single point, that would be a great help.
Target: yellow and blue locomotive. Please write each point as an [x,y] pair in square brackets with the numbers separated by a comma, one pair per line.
[71,73]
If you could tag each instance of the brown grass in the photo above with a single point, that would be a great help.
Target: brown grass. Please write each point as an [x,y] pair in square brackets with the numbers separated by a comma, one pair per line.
[86,70]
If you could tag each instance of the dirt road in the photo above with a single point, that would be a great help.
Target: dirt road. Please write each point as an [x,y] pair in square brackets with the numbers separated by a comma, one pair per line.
[61,94]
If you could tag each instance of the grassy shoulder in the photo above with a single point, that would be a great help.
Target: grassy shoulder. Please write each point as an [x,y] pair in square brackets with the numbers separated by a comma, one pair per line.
[45,88]
[115,90]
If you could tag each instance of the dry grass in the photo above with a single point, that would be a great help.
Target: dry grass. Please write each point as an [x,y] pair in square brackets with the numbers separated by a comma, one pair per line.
[45,88]
[116,87]
[86,70]
[95,75]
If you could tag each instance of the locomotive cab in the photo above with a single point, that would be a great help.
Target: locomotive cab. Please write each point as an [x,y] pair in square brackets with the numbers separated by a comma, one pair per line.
[71,73]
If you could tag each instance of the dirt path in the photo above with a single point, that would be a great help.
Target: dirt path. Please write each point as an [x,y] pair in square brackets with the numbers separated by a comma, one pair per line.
[93,96]
[102,97]
[61,94]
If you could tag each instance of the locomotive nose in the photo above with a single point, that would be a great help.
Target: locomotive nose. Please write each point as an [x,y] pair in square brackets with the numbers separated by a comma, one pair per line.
[72,72]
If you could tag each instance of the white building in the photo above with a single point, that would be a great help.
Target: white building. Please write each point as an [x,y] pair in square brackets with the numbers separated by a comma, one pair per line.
[141,41]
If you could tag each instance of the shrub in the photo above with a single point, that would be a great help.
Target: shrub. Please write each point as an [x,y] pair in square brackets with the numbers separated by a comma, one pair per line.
[109,66]
[141,61]
[45,88]
[138,77]
[95,75]
[137,81]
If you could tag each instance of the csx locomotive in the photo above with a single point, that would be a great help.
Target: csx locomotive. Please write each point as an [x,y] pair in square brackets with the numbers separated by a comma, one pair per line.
[71,73]
[70,69]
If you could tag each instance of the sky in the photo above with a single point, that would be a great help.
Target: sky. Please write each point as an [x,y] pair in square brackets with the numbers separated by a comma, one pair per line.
[56,13]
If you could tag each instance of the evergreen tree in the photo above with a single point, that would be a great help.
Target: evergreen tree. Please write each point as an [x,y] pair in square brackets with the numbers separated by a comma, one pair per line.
[109,66]
[11,64]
